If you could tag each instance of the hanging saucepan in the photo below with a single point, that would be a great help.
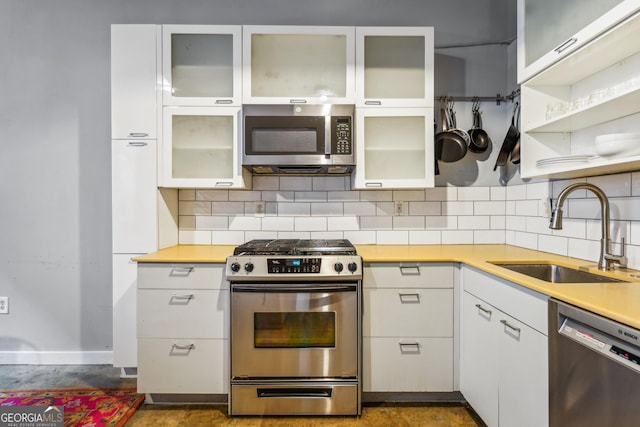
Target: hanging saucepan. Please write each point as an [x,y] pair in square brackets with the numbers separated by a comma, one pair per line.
[515,152]
[450,146]
[479,140]
[510,140]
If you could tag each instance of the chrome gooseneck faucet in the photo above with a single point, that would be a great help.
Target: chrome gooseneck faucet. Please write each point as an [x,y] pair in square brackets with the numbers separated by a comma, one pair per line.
[606,260]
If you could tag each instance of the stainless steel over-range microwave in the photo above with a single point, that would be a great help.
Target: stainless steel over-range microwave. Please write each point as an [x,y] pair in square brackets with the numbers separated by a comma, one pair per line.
[298,139]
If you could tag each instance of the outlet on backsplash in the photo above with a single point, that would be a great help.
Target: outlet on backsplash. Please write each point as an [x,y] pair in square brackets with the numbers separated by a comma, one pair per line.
[259,210]
[401,208]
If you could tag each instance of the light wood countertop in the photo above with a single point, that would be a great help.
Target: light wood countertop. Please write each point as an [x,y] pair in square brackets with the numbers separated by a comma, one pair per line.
[618,301]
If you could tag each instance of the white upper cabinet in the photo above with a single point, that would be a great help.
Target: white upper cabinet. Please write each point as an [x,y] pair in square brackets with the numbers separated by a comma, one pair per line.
[201,65]
[201,149]
[394,66]
[593,92]
[292,64]
[394,148]
[549,30]
[134,81]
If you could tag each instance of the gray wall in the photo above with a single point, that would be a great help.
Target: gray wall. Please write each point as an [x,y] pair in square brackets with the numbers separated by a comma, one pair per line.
[55,255]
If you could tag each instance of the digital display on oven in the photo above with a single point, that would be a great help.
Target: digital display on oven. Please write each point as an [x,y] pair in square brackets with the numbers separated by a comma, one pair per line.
[293,265]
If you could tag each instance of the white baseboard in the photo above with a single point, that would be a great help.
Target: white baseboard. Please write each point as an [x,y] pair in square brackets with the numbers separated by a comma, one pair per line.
[56,357]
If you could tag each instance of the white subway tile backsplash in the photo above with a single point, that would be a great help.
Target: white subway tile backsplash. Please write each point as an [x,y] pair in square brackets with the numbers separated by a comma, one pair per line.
[385,208]
[361,237]
[310,224]
[554,244]
[327,209]
[442,194]
[613,185]
[498,193]
[517,192]
[194,208]
[296,183]
[266,235]
[634,238]
[538,190]
[510,207]
[343,223]
[211,222]
[425,208]
[294,209]
[245,196]
[277,223]
[186,194]
[525,240]
[227,208]
[498,222]
[343,196]
[266,183]
[330,183]
[213,195]
[635,184]
[408,223]
[188,222]
[485,237]
[244,223]
[457,237]
[376,223]
[489,208]
[396,237]
[194,237]
[326,235]
[474,193]
[409,195]
[474,222]
[536,224]
[517,223]
[457,208]
[376,196]
[441,222]
[360,208]
[425,237]
[278,196]
[574,228]
[584,249]
[227,237]
[527,207]
[310,196]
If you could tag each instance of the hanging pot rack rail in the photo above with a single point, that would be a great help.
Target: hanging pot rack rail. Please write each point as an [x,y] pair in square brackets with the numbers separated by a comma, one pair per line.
[497,98]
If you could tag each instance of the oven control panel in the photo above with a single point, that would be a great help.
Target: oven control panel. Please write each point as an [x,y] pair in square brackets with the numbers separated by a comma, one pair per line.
[293,265]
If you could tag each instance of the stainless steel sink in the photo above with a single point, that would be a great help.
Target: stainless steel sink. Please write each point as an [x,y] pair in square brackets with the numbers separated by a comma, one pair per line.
[556,273]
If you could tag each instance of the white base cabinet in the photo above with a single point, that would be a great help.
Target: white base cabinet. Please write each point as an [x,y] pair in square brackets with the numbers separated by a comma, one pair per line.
[182,328]
[504,361]
[408,325]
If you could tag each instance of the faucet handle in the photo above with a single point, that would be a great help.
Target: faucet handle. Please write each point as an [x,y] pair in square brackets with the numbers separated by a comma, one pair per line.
[619,259]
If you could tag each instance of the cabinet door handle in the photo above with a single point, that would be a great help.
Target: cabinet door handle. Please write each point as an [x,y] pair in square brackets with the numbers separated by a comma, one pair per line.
[564,46]
[513,328]
[181,271]
[187,347]
[187,297]
[409,270]
[224,184]
[409,298]
[409,347]
[137,144]
[224,101]
[297,101]
[372,102]
[373,184]
[484,310]
[138,134]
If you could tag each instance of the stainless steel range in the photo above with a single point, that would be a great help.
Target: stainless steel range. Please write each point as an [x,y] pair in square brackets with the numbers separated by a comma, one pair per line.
[296,329]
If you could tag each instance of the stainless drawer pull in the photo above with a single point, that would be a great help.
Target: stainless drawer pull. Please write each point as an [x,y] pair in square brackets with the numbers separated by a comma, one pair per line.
[513,328]
[373,184]
[409,347]
[181,271]
[224,101]
[372,102]
[224,184]
[482,309]
[410,270]
[564,46]
[137,144]
[138,134]
[409,298]
[187,347]
[186,297]
[297,101]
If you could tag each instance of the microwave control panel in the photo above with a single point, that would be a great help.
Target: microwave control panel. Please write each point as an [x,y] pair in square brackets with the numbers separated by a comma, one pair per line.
[341,135]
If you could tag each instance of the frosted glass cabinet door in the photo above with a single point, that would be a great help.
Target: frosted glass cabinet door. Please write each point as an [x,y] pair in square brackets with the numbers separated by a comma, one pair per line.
[201,65]
[394,66]
[549,30]
[298,64]
[395,148]
[200,147]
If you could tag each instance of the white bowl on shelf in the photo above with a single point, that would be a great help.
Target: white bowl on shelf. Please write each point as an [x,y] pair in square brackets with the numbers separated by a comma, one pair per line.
[618,145]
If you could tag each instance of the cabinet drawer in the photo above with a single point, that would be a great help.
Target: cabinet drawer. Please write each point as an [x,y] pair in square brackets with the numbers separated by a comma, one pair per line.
[181,276]
[526,305]
[408,312]
[422,364]
[182,366]
[182,313]
[408,275]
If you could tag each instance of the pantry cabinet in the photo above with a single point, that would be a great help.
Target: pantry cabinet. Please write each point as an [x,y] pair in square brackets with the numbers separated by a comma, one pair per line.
[503,351]
[291,64]
[550,30]
[394,66]
[134,81]
[408,324]
[593,92]
[202,65]
[394,148]
[182,328]
[201,148]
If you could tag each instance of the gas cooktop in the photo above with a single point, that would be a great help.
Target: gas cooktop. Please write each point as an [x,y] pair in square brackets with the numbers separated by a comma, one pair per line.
[296,247]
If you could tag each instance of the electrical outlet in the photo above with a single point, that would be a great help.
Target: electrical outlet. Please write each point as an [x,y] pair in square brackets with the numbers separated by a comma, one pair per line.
[4,305]
[259,209]
[401,207]
[545,208]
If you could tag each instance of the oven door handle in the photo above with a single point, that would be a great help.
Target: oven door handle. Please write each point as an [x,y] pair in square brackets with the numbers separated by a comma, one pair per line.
[295,392]
[294,288]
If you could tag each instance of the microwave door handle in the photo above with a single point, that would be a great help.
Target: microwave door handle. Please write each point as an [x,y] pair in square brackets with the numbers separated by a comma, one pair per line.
[327,137]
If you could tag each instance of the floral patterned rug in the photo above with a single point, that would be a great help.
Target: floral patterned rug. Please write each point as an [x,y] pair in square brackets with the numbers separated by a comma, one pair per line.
[87,407]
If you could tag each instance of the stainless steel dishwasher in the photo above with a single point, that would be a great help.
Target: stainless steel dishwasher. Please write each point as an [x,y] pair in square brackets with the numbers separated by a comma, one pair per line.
[594,369]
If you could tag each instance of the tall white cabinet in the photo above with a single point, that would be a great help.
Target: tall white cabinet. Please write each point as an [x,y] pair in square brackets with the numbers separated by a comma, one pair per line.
[134,93]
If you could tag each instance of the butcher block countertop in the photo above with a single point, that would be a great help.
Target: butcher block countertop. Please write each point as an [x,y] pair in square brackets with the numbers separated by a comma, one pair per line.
[618,301]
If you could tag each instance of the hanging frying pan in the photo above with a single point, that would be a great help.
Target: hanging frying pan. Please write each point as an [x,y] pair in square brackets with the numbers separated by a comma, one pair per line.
[510,140]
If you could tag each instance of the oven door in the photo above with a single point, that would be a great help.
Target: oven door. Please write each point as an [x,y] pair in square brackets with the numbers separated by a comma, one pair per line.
[301,331]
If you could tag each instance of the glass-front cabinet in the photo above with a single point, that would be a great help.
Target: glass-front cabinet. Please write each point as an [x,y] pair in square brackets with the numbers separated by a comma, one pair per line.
[394,148]
[200,148]
[394,66]
[202,65]
[549,30]
[298,65]
[581,116]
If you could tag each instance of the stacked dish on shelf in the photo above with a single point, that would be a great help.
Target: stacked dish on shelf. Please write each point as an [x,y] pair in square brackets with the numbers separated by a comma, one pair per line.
[577,158]
[618,145]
